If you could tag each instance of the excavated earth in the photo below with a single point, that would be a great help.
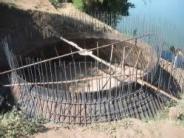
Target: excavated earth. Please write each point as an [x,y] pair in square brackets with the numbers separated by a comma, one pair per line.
[27,26]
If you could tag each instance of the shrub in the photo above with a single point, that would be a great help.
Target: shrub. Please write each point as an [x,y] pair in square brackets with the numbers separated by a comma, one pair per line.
[78,4]
[13,125]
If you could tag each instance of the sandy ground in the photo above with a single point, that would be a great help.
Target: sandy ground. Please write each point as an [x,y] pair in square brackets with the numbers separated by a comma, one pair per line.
[165,125]
[130,128]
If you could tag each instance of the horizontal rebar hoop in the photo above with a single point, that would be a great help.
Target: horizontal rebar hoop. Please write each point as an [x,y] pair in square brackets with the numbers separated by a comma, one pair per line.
[93,92]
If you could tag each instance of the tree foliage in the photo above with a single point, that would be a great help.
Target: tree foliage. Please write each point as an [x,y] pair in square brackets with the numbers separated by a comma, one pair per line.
[114,6]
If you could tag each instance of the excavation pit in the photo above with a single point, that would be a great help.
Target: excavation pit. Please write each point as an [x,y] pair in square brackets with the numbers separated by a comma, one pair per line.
[76,89]
[82,73]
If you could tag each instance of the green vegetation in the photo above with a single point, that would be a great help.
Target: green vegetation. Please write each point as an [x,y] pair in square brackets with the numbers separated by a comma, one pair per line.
[112,9]
[14,125]
[54,2]
[120,7]
[113,6]
[78,4]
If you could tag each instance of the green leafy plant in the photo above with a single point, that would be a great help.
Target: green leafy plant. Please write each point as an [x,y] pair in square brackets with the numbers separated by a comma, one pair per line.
[13,125]
[78,4]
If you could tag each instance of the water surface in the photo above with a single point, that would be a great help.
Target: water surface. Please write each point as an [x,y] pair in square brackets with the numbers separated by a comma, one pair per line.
[163,16]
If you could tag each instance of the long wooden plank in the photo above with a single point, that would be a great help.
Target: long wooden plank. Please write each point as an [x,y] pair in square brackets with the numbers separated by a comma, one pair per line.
[141,82]
[85,52]
[68,54]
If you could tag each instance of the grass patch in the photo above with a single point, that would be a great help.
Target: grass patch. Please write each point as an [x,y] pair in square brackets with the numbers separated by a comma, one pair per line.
[78,4]
[13,124]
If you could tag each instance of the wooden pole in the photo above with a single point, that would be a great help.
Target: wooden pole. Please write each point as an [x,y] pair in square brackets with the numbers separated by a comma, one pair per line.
[68,54]
[141,82]
[85,52]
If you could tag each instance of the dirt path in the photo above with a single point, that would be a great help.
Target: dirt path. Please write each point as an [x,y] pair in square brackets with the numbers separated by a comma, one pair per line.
[130,128]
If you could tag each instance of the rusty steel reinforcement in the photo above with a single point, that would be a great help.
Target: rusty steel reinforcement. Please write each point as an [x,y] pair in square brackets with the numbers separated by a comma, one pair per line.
[57,102]
[85,92]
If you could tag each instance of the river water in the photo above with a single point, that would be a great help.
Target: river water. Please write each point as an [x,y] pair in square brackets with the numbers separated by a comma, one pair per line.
[165,17]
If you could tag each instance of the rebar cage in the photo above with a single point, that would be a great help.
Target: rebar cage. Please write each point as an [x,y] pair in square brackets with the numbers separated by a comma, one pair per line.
[72,91]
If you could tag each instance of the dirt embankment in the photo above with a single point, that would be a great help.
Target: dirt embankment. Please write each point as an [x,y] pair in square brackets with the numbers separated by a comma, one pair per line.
[34,24]
[27,25]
